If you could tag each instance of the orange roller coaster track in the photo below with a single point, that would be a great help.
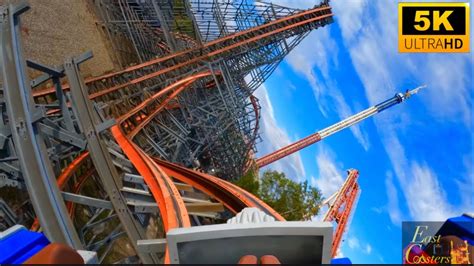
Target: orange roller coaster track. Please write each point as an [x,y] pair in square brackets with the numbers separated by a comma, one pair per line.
[156,173]
[116,89]
[157,176]
[107,85]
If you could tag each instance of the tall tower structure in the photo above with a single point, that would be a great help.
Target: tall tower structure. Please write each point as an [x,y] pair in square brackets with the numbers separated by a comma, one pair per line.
[213,124]
[189,104]
[328,131]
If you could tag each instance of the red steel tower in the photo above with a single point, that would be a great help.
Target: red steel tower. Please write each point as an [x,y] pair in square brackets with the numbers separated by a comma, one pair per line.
[341,205]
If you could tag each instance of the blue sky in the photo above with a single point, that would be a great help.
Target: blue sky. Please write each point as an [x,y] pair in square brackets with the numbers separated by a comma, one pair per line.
[415,159]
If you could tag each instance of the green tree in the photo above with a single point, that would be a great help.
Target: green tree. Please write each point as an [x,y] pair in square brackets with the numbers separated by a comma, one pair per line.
[294,201]
[249,182]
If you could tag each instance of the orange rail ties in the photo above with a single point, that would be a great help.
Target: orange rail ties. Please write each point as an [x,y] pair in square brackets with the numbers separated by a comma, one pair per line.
[216,41]
[72,167]
[224,188]
[183,83]
[207,45]
[203,57]
[141,160]
[174,216]
[171,205]
[162,188]
[224,196]
[343,219]
[172,106]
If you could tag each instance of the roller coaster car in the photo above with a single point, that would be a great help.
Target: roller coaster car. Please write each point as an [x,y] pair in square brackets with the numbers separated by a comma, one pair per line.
[20,246]
[251,237]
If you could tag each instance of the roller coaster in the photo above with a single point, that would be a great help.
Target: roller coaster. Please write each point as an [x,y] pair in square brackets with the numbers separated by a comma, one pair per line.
[114,162]
[117,162]
[88,152]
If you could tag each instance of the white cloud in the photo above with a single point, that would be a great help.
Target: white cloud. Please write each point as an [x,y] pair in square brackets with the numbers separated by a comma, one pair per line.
[353,243]
[368,249]
[392,206]
[350,20]
[428,199]
[275,137]
[374,52]
[373,49]
[449,94]
[382,260]
[311,55]
[330,177]
[377,210]
[371,38]
[318,52]
[424,197]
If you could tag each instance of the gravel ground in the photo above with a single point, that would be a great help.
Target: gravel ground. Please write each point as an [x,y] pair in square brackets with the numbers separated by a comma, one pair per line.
[53,30]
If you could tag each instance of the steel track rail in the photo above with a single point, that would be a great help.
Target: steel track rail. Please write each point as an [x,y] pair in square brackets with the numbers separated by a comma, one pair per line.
[132,150]
[164,192]
[35,164]
[152,69]
[220,188]
[157,173]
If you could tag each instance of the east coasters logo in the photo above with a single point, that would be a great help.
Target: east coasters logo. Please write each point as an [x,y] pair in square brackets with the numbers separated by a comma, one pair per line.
[423,245]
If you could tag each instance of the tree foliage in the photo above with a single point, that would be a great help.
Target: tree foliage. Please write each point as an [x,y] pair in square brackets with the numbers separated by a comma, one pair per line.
[294,201]
[249,182]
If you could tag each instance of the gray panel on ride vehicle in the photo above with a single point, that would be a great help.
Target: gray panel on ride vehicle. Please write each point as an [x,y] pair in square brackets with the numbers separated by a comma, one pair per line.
[290,242]
[288,249]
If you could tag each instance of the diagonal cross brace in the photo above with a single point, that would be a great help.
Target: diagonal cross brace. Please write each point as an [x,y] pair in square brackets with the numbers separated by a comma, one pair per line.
[111,181]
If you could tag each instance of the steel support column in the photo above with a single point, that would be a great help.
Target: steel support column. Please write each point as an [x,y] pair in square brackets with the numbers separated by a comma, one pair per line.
[164,26]
[29,144]
[100,156]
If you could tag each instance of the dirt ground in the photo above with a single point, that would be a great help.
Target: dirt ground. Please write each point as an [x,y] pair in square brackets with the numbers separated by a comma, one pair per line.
[53,30]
